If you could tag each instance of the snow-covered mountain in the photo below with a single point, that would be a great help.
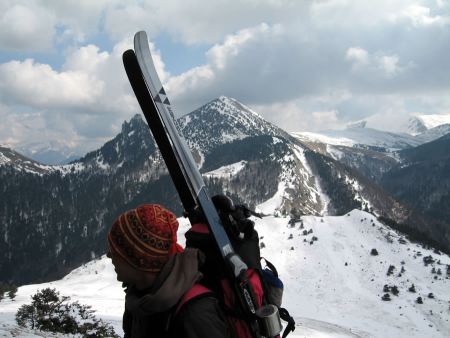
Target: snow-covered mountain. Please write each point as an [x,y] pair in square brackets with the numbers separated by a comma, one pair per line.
[67,209]
[361,137]
[222,121]
[334,285]
[419,124]
[360,134]
[49,152]
[11,158]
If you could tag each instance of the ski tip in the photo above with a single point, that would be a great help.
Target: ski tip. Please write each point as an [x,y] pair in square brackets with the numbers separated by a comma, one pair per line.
[127,54]
[141,35]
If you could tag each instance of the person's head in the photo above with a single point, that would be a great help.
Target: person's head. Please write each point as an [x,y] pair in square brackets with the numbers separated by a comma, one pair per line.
[140,242]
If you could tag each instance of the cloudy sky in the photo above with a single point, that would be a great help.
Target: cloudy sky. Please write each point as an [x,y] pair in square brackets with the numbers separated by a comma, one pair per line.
[304,65]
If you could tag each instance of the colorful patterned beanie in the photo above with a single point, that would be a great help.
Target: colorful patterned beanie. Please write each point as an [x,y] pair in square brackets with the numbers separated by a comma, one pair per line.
[145,237]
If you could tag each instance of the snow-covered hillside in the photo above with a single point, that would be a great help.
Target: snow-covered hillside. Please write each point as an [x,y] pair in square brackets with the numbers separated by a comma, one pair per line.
[333,285]
[430,121]
[352,137]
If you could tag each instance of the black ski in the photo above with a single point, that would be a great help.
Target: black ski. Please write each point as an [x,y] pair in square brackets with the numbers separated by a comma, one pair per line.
[155,105]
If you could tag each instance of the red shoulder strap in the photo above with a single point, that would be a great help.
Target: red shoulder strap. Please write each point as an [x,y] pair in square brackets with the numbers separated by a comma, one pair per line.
[193,292]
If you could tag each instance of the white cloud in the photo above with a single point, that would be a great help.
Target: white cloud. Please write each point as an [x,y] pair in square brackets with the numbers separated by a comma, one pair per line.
[79,19]
[370,64]
[389,64]
[301,64]
[344,13]
[26,27]
[359,56]
[199,21]
[85,59]
[296,118]
[421,16]
[38,85]
[84,103]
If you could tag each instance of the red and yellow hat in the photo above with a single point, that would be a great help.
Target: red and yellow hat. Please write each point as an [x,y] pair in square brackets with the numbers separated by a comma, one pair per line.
[145,237]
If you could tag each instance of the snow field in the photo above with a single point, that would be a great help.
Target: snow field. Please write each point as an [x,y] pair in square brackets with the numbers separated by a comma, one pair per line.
[326,296]
[336,280]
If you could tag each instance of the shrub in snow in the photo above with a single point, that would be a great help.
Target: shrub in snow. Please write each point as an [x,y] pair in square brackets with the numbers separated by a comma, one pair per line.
[262,245]
[390,270]
[12,293]
[9,289]
[374,252]
[394,290]
[52,313]
[291,236]
[412,288]
[430,295]
[427,260]
[402,241]
[386,297]
[419,300]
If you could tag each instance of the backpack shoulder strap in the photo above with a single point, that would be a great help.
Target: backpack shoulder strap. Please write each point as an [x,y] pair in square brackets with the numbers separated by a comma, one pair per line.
[194,292]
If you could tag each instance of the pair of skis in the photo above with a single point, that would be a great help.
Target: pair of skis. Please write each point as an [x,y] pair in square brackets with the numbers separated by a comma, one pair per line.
[156,107]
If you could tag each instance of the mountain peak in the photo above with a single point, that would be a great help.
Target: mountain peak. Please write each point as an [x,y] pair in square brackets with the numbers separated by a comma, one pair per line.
[235,104]
[357,125]
[420,124]
[224,120]
[9,157]
[136,122]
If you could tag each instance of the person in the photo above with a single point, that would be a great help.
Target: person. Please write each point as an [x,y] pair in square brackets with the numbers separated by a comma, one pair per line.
[157,273]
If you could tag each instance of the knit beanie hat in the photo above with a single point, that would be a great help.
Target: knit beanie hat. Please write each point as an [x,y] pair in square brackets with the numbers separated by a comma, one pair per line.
[145,237]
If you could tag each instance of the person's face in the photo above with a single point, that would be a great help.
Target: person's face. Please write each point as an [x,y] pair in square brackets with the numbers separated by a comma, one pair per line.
[125,272]
[128,274]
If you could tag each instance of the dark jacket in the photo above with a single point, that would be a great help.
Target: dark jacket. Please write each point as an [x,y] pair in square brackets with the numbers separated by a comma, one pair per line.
[151,313]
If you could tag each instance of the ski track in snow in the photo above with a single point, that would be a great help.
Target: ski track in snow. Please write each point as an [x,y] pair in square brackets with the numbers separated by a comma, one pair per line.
[333,287]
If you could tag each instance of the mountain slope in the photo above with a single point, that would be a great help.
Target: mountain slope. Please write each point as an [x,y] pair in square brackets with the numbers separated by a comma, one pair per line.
[221,121]
[333,287]
[63,212]
[17,162]
[366,138]
[56,220]
[421,123]
[423,182]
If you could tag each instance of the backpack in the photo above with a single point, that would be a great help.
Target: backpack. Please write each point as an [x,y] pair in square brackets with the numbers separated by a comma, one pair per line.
[267,286]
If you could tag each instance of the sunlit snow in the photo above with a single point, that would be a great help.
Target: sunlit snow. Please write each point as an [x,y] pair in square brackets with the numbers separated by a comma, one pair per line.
[333,287]
[227,170]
